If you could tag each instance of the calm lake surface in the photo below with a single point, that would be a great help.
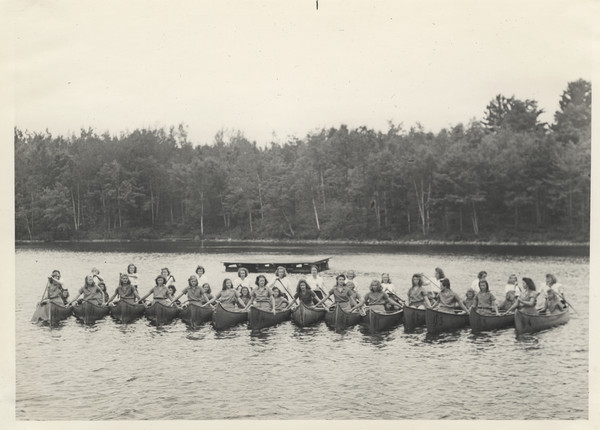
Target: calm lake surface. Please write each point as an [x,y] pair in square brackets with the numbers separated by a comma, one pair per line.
[110,371]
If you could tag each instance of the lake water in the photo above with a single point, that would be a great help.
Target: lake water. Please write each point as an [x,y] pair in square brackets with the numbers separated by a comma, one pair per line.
[110,371]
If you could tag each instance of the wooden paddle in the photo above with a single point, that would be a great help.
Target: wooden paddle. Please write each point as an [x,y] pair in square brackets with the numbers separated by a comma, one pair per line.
[35,316]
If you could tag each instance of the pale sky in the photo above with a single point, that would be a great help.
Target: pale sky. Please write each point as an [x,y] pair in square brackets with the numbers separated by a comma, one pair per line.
[284,68]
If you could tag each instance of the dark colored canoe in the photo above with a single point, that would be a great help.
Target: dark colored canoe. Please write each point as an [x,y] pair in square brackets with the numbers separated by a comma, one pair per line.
[259,318]
[413,318]
[90,313]
[126,312]
[50,313]
[339,319]
[160,314]
[531,323]
[381,321]
[196,315]
[223,318]
[438,321]
[481,322]
[304,316]
[292,266]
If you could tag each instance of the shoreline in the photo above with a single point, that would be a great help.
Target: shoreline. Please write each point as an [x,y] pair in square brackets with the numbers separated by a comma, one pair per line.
[324,242]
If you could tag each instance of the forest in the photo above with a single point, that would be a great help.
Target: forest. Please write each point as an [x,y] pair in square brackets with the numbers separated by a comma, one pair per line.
[503,177]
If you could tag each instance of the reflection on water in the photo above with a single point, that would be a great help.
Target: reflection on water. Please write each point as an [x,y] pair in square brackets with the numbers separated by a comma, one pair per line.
[150,372]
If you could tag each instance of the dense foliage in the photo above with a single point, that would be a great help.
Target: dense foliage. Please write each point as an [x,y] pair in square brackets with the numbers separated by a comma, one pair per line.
[507,177]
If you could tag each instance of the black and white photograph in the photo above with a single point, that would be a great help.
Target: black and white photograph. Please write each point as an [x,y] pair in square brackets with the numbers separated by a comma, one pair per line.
[269,212]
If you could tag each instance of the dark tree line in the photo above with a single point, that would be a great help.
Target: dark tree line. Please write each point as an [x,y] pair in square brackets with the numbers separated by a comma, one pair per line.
[507,177]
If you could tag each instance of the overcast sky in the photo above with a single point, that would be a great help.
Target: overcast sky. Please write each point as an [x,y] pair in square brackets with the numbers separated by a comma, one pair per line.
[282,68]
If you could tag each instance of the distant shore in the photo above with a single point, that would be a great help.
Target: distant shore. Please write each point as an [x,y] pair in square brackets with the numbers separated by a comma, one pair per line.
[325,242]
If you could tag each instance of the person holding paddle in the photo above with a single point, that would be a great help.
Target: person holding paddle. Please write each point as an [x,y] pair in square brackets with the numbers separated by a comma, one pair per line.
[160,292]
[343,296]
[195,293]
[281,304]
[281,279]
[527,300]
[377,299]
[552,304]
[242,279]
[305,294]
[54,289]
[90,291]
[228,296]
[315,282]
[448,298]
[417,296]
[485,301]
[126,291]
[262,295]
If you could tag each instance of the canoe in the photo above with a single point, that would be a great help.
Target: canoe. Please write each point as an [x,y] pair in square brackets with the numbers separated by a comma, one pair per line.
[438,321]
[269,266]
[90,313]
[381,321]
[196,315]
[127,312]
[413,317]
[304,316]
[481,322]
[160,314]
[531,323]
[223,318]
[259,318]
[50,313]
[339,319]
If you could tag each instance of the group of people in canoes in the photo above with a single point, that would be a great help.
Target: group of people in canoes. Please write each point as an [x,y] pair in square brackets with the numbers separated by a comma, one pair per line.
[243,292]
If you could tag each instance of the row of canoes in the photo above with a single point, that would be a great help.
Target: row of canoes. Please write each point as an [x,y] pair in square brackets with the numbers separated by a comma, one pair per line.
[335,317]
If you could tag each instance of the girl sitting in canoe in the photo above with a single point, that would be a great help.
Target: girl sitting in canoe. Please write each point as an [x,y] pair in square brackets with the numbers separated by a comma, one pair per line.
[281,303]
[242,279]
[342,295]
[169,279]
[228,297]
[305,294]
[509,300]
[262,296]
[281,280]
[448,298]
[351,277]
[527,300]
[417,296]
[102,286]
[173,290]
[315,282]
[91,292]
[352,287]
[552,304]
[484,300]
[126,291]
[512,285]
[54,289]
[160,292]
[377,299]
[245,296]
[195,293]
[386,283]
[469,299]
[96,275]
[552,284]
[132,275]
[200,275]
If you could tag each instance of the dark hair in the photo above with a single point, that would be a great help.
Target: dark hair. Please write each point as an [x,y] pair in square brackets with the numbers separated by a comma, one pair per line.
[341,275]
[487,286]
[225,284]
[128,280]
[378,286]
[209,289]
[86,278]
[172,286]
[278,290]
[200,267]
[302,281]
[445,282]
[134,267]
[56,270]
[263,277]
[440,272]
[482,274]
[552,278]
[161,277]
[314,266]
[169,272]
[102,284]
[242,291]
[389,279]
[419,277]
[529,283]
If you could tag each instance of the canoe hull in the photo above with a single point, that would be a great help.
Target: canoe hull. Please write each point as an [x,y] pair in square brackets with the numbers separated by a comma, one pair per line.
[479,322]
[381,321]
[413,318]
[437,321]
[50,313]
[271,266]
[196,315]
[159,314]
[260,319]
[223,319]
[304,316]
[126,312]
[533,323]
[339,319]
[89,313]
